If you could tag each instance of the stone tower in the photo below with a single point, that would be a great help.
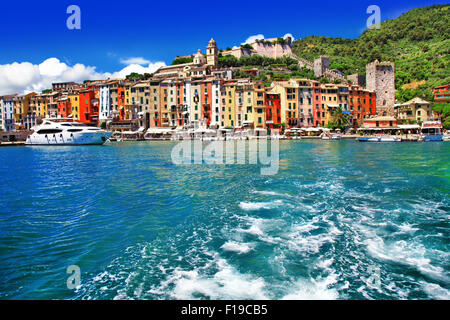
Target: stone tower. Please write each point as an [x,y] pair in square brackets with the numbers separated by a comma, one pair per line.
[321,65]
[212,54]
[380,77]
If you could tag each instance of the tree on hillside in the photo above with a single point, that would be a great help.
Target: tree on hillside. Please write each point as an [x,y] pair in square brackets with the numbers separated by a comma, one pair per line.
[443,110]
[418,42]
[182,61]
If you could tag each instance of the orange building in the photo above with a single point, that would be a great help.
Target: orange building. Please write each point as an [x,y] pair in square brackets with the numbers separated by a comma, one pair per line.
[206,101]
[273,109]
[121,100]
[64,107]
[363,104]
[442,94]
[88,107]
[180,103]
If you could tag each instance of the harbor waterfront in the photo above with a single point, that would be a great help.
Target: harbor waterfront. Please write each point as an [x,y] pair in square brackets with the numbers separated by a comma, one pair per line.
[340,220]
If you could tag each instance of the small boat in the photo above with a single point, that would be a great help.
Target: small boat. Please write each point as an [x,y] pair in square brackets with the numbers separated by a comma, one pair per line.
[432,131]
[61,131]
[379,139]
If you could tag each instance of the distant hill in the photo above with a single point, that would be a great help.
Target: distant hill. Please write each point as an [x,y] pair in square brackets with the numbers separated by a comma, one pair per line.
[418,42]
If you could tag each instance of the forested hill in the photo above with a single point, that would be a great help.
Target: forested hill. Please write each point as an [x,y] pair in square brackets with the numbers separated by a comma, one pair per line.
[418,42]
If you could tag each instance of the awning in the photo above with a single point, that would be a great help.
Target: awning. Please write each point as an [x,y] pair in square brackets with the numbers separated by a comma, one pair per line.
[409,126]
[159,130]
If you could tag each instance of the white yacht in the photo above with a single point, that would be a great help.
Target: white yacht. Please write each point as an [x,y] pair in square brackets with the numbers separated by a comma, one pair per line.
[66,132]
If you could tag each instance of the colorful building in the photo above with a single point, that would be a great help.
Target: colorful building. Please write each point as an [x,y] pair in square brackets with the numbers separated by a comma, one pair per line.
[273,109]
[384,122]
[363,104]
[75,105]
[154,112]
[64,108]
[22,110]
[442,94]
[288,91]
[416,110]
[88,104]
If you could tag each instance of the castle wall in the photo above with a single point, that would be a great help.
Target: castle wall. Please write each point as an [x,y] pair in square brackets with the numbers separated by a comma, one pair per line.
[272,50]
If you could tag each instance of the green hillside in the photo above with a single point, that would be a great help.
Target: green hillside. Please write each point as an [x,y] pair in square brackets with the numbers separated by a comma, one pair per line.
[418,42]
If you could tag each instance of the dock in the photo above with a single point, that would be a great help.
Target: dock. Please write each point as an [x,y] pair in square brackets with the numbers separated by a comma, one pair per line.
[12,144]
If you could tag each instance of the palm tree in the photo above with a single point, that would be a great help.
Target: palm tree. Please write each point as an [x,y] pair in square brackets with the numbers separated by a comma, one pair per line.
[340,119]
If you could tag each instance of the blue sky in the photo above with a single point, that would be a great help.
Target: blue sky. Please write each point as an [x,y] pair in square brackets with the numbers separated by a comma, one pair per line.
[114,31]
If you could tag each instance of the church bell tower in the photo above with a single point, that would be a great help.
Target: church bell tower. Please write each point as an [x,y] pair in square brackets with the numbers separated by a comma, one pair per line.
[212,54]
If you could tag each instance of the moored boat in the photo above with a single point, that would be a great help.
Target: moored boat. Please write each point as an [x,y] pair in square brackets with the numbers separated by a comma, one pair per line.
[379,139]
[432,131]
[66,132]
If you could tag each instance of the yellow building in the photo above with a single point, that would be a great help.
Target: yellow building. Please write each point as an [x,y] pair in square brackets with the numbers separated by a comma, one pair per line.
[288,91]
[259,107]
[333,96]
[75,103]
[247,103]
[128,100]
[229,107]
[38,106]
[22,108]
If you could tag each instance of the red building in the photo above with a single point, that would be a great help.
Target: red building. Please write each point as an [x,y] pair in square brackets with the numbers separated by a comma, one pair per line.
[180,104]
[442,94]
[319,113]
[64,107]
[273,109]
[362,103]
[121,100]
[206,101]
[88,107]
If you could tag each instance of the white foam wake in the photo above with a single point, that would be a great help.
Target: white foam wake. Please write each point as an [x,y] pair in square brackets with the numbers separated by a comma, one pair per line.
[227,283]
[254,206]
[314,290]
[240,248]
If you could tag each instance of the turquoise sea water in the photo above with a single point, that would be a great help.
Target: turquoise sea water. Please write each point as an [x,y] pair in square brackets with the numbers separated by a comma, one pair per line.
[340,220]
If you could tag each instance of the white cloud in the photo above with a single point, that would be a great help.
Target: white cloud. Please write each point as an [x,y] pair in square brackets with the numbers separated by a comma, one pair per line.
[252,39]
[152,67]
[289,35]
[25,77]
[134,60]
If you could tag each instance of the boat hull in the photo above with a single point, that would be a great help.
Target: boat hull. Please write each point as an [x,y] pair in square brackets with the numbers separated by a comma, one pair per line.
[435,138]
[67,138]
[378,139]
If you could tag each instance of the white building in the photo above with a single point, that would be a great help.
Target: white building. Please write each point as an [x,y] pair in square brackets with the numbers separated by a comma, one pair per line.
[7,113]
[187,102]
[105,112]
[215,111]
